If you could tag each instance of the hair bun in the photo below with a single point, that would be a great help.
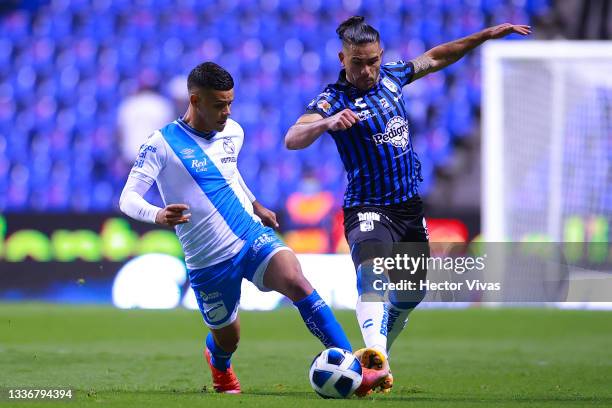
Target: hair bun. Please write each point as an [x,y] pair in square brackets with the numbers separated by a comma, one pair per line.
[349,22]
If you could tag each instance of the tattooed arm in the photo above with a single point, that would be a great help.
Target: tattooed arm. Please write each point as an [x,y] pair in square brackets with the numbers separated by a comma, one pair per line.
[451,52]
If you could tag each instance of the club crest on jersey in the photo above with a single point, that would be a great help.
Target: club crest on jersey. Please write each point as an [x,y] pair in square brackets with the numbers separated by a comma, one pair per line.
[389,84]
[229,146]
[396,133]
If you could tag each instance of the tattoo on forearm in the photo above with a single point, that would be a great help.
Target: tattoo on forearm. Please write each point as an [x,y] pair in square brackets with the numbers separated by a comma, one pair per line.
[422,63]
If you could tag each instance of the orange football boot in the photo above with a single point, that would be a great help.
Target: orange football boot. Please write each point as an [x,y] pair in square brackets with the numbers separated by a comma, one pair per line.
[223,381]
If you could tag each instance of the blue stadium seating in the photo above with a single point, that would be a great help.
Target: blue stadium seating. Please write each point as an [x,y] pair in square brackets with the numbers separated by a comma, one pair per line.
[66,65]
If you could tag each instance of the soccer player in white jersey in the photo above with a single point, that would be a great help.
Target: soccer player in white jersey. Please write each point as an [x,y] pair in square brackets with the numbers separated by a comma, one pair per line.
[224,231]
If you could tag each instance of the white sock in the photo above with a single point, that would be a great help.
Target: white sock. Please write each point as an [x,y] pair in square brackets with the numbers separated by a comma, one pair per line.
[398,318]
[372,318]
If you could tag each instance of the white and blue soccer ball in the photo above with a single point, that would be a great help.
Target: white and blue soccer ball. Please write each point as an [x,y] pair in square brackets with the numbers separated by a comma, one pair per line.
[335,373]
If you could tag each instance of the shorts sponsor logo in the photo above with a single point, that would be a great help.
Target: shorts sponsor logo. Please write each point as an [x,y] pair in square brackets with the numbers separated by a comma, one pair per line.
[366,226]
[207,297]
[366,221]
[260,241]
[396,133]
[215,311]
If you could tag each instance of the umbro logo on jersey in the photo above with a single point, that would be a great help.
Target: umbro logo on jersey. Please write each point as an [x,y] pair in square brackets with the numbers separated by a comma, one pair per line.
[187,153]
[396,133]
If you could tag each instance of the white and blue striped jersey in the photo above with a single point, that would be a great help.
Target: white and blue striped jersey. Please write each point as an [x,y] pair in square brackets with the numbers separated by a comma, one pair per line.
[200,170]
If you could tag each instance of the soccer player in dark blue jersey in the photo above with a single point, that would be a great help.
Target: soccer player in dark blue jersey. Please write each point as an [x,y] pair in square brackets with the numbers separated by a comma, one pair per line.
[365,113]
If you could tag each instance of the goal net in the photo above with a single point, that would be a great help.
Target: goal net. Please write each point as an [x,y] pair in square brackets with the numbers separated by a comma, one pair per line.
[547,146]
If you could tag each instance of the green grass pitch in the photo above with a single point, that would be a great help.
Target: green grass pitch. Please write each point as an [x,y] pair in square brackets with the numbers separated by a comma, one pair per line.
[445,358]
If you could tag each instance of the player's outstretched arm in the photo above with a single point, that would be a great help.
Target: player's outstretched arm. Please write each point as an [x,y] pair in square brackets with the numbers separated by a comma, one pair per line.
[310,126]
[134,205]
[448,53]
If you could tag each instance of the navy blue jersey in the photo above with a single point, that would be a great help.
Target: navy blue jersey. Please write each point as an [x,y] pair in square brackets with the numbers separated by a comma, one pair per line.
[381,165]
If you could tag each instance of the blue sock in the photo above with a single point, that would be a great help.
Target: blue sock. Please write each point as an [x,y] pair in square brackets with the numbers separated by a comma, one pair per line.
[220,359]
[321,322]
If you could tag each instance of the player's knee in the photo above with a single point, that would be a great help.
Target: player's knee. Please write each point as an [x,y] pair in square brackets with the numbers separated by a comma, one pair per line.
[298,287]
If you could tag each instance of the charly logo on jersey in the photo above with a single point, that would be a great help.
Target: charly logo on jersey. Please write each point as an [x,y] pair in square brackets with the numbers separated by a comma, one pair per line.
[396,133]
[360,103]
[389,84]
[187,153]
[364,113]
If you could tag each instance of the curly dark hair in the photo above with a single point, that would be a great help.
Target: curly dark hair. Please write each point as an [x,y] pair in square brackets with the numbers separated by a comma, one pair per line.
[209,75]
[354,30]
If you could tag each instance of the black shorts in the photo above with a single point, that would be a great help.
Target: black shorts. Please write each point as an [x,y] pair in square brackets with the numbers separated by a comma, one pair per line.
[388,224]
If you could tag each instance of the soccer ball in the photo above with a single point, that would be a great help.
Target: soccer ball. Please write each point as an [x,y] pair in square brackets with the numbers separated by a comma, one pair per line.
[335,373]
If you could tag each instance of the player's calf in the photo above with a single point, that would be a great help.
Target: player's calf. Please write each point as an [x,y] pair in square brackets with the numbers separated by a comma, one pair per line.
[284,275]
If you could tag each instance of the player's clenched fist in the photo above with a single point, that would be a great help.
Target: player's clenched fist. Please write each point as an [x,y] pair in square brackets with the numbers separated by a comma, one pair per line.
[342,120]
[172,215]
